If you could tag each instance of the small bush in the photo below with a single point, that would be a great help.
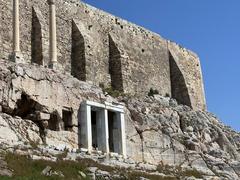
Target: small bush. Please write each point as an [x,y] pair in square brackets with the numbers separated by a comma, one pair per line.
[167,95]
[152,92]
[112,92]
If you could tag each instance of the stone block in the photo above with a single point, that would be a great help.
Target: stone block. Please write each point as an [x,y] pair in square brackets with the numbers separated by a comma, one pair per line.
[43,116]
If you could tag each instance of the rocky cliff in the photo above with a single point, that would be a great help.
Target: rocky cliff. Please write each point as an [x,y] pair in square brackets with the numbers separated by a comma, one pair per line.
[165,140]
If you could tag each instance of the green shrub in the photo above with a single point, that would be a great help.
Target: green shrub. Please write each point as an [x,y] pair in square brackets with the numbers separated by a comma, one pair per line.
[167,95]
[112,92]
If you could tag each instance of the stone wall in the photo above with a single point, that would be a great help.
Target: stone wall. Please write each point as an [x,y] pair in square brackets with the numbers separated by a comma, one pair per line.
[186,77]
[5,29]
[87,38]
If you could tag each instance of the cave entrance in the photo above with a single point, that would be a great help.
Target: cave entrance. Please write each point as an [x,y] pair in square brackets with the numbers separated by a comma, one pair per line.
[26,107]
[53,123]
[67,119]
[94,129]
[114,131]
[93,126]
[102,127]
[98,128]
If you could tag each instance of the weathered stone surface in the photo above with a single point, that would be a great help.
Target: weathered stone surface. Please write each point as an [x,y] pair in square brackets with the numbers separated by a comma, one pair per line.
[62,140]
[48,171]
[179,136]
[186,77]
[37,92]
[15,131]
[4,170]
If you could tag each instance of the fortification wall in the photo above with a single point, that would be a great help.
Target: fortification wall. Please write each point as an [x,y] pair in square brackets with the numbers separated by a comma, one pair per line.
[93,46]
[144,54]
[186,77]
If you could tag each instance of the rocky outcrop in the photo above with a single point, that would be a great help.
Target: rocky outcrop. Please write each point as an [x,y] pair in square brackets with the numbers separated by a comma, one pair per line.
[163,136]
[15,131]
[176,135]
[42,96]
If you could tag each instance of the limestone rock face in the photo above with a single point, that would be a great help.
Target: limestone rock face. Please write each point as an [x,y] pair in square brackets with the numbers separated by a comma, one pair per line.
[176,135]
[161,134]
[15,131]
[42,95]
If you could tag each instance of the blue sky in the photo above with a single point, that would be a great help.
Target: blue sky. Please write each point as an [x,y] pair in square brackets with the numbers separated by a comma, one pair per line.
[211,28]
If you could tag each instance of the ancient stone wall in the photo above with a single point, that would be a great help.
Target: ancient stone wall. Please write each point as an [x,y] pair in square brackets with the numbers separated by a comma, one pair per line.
[87,39]
[5,29]
[186,77]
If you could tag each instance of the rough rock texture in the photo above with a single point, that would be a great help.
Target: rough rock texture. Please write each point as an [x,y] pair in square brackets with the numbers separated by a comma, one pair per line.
[15,131]
[42,96]
[100,48]
[171,134]
[4,170]
[162,135]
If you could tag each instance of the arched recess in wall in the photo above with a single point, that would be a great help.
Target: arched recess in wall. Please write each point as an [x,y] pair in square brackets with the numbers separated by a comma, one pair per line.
[78,58]
[115,65]
[36,39]
[178,85]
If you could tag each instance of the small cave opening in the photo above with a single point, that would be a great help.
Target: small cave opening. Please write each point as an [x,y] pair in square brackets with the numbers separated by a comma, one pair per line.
[67,119]
[26,108]
[58,123]
[54,121]
[110,131]
[114,131]
[94,129]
